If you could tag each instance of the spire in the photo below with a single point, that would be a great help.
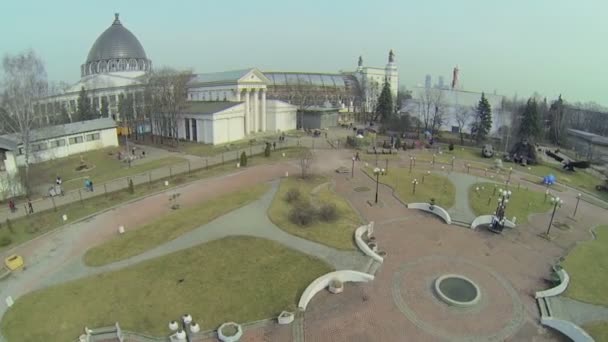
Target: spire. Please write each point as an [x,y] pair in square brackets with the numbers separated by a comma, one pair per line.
[116,20]
[360,61]
[391,56]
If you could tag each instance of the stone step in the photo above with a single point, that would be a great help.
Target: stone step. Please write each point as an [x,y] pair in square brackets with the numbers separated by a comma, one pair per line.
[374,267]
[544,307]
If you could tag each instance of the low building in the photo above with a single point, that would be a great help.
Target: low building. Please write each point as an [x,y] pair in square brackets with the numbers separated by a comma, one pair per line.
[220,122]
[318,117]
[64,140]
[589,146]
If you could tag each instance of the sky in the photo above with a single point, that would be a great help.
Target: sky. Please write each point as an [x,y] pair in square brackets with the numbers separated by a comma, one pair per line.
[512,47]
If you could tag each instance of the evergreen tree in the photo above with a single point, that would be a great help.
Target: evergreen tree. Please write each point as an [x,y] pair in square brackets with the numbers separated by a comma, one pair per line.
[530,127]
[483,122]
[85,112]
[243,159]
[556,121]
[384,108]
[105,110]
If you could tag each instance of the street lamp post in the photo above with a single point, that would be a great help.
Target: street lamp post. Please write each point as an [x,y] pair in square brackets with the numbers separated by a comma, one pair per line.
[414,183]
[503,199]
[427,173]
[183,328]
[510,172]
[377,172]
[453,158]
[557,202]
[352,170]
[411,163]
[578,199]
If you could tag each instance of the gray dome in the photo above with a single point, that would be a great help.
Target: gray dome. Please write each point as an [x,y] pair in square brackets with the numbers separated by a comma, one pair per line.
[116,42]
[116,49]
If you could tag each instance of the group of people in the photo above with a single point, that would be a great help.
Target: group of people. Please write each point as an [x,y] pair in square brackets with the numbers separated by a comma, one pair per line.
[13,208]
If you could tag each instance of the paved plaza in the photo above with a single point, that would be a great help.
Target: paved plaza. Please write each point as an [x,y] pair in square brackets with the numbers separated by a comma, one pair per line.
[399,305]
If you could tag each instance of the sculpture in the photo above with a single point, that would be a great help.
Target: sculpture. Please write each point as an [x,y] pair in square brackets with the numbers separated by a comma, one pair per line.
[523,152]
[391,56]
[360,61]
[570,164]
[487,151]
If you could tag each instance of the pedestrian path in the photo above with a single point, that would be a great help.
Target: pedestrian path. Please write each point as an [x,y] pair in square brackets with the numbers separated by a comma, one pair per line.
[577,312]
[250,220]
[461,211]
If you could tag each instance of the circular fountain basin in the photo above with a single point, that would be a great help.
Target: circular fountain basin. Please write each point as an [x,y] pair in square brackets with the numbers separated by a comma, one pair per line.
[457,290]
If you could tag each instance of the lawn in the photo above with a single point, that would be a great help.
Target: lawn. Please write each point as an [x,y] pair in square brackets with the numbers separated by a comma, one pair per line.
[522,203]
[199,149]
[587,265]
[337,234]
[237,279]
[579,179]
[105,163]
[435,186]
[170,227]
[29,227]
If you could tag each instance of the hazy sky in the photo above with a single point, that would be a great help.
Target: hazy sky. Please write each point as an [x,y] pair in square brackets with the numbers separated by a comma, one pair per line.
[514,46]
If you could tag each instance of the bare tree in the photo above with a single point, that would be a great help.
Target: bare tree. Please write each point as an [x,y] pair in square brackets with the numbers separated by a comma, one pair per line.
[306,158]
[463,115]
[167,91]
[24,82]
[431,108]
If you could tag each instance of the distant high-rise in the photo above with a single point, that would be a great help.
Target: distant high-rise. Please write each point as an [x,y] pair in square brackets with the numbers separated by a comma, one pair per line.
[427,81]
[440,83]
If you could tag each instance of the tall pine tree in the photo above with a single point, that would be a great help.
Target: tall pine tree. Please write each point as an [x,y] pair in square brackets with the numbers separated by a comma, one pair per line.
[85,112]
[530,126]
[384,108]
[483,121]
[105,110]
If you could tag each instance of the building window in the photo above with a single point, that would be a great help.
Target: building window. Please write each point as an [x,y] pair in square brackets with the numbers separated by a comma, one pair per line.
[75,140]
[58,143]
[194,133]
[21,151]
[187,128]
[92,137]
[39,147]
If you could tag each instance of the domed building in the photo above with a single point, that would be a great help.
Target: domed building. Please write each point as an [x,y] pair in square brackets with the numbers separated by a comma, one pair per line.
[115,67]
[117,50]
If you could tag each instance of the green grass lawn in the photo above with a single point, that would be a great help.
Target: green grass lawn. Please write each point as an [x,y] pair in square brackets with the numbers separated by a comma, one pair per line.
[237,279]
[435,186]
[337,234]
[170,227]
[579,179]
[522,203]
[597,330]
[587,265]
[105,163]
[29,227]
[199,149]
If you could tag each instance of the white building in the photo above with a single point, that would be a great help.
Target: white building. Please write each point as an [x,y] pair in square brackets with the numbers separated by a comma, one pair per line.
[372,80]
[49,143]
[115,66]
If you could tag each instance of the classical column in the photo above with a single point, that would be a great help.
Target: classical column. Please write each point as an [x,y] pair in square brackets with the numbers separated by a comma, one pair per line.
[247,116]
[264,110]
[238,94]
[256,110]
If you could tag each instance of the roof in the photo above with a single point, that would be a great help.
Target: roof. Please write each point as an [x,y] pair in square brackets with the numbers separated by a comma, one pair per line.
[310,79]
[232,76]
[591,137]
[208,107]
[116,42]
[57,131]
[7,144]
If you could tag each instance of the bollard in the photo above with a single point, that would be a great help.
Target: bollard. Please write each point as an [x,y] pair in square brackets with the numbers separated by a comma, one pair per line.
[166,183]
[121,229]
[286,174]
[64,217]
[207,163]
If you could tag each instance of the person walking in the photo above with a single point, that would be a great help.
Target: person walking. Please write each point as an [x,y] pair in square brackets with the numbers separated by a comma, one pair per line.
[30,208]
[11,205]
[274,145]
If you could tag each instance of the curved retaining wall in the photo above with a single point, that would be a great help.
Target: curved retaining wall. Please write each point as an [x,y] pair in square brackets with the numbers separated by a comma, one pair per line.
[437,210]
[557,290]
[487,220]
[366,229]
[322,282]
[573,331]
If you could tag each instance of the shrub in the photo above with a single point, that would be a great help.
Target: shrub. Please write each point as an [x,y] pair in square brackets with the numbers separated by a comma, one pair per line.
[451,146]
[131,187]
[243,159]
[398,143]
[292,195]
[5,241]
[328,212]
[9,225]
[302,214]
[267,150]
